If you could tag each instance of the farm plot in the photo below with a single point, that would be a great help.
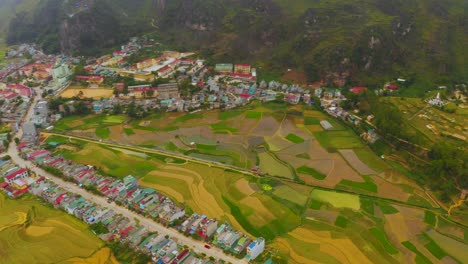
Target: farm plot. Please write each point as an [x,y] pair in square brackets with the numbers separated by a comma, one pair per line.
[305,244]
[356,163]
[333,140]
[338,200]
[52,237]
[453,247]
[274,167]
[287,193]
[224,195]
[87,93]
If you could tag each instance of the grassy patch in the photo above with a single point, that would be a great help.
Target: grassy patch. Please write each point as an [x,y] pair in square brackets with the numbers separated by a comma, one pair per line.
[102,132]
[383,239]
[294,138]
[435,250]
[229,114]
[253,115]
[287,193]
[129,131]
[303,156]
[311,121]
[315,204]
[418,200]
[429,218]
[243,221]
[272,166]
[345,139]
[206,147]
[367,205]
[115,119]
[367,185]
[338,200]
[386,208]
[341,222]
[311,171]
[420,258]
[188,117]
[370,159]
[223,126]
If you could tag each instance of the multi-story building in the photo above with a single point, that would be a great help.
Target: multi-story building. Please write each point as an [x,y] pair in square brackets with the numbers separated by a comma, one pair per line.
[242,68]
[255,248]
[223,67]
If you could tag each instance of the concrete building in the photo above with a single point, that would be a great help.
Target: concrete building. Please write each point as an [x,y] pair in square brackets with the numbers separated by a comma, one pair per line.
[168,90]
[255,248]
[224,67]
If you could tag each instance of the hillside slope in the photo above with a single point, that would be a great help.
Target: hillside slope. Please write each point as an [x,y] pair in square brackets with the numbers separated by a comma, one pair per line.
[340,41]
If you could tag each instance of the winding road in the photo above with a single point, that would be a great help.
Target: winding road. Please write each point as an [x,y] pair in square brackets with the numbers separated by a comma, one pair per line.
[196,245]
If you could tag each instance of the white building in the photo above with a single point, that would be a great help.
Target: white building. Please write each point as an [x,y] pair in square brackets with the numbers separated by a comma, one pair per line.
[16,175]
[255,248]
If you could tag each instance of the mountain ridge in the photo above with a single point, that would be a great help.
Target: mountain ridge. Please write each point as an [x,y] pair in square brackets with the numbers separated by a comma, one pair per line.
[340,41]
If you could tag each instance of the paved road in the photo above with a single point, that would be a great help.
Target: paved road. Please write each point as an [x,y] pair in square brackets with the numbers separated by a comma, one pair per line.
[148,223]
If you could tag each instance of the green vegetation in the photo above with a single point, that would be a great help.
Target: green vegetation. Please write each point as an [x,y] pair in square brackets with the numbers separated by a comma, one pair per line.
[338,139]
[272,166]
[311,121]
[382,238]
[303,156]
[294,138]
[367,205]
[287,193]
[315,204]
[223,127]
[341,222]
[430,218]
[311,171]
[435,250]
[338,200]
[103,132]
[420,258]
[224,115]
[253,115]
[367,185]
[129,131]
[187,117]
[386,208]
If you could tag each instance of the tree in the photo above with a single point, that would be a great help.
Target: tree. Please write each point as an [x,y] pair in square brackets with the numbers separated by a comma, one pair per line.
[17,140]
[389,120]
[81,108]
[149,92]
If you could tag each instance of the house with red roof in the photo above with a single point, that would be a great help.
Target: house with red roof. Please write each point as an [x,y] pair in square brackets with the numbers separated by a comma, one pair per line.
[358,89]
[120,53]
[242,68]
[392,87]
[90,79]
[166,71]
[16,175]
[22,90]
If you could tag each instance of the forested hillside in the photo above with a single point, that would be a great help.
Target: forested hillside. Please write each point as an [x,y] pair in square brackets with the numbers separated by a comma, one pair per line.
[339,41]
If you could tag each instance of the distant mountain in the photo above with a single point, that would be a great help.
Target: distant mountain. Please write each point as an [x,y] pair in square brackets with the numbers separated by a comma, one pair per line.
[341,41]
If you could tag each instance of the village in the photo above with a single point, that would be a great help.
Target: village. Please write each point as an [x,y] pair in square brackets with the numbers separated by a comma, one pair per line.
[170,82]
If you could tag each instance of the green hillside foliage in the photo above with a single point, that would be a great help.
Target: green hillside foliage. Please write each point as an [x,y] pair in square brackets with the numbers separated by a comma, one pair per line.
[359,42]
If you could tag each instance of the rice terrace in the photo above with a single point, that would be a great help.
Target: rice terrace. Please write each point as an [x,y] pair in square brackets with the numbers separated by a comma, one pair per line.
[272,171]
[48,235]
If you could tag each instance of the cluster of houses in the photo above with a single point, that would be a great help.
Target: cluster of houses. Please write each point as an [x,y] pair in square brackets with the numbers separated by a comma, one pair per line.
[15,101]
[15,179]
[146,201]
[162,248]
